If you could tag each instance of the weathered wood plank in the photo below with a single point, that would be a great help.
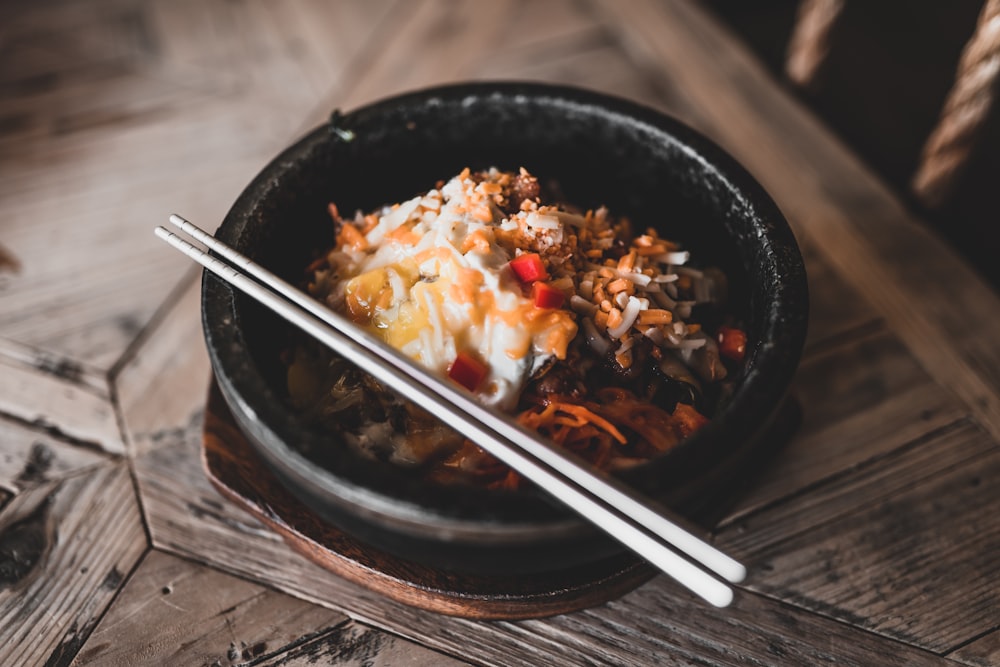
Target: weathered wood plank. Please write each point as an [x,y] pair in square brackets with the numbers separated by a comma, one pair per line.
[29,457]
[331,40]
[983,652]
[66,547]
[109,104]
[175,349]
[868,484]
[163,389]
[892,547]
[653,627]
[82,375]
[861,399]
[926,293]
[515,39]
[393,69]
[836,310]
[356,645]
[280,55]
[586,57]
[174,612]
[58,394]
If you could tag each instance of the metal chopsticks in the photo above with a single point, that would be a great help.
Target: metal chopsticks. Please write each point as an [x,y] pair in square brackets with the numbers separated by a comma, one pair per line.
[607,503]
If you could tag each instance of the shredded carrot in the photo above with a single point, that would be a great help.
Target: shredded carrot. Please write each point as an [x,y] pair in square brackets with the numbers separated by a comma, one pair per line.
[350,238]
[587,415]
[562,433]
[569,420]
[561,419]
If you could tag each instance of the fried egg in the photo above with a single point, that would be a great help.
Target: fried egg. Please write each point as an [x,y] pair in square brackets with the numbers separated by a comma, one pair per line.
[432,281]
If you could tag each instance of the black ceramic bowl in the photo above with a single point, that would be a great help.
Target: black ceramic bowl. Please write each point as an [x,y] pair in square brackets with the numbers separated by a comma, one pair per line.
[602,151]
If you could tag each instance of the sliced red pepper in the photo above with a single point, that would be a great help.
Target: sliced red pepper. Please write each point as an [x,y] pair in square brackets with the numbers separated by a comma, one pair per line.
[528,268]
[467,371]
[732,343]
[546,296]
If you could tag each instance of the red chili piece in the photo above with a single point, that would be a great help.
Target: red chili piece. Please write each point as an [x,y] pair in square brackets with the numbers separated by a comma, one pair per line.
[732,343]
[467,371]
[546,296]
[528,268]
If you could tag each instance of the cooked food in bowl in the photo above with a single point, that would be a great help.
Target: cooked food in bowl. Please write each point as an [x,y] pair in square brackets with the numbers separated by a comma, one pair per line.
[601,337]
[601,151]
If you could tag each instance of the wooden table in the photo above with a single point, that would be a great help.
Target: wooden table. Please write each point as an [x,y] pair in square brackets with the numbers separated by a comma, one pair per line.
[872,539]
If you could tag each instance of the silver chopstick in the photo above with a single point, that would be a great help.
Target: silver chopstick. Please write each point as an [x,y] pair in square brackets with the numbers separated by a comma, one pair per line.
[603,500]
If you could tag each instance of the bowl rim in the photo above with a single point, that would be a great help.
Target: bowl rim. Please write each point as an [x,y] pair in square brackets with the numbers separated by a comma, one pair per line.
[761,390]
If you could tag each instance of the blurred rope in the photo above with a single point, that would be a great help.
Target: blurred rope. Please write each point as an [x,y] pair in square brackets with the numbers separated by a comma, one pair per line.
[965,115]
[810,41]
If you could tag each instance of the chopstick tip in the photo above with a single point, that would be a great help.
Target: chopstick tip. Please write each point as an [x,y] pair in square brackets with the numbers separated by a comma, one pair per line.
[724,598]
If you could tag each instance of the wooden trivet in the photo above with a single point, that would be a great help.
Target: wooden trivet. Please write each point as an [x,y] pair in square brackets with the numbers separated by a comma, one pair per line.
[239,474]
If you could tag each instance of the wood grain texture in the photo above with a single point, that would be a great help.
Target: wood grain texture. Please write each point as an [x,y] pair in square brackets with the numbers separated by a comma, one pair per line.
[67,547]
[29,458]
[868,483]
[982,652]
[59,395]
[896,557]
[357,645]
[108,104]
[201,617]
[836,311]
[848,500]
[459,41]
[175,349]
[862,398]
